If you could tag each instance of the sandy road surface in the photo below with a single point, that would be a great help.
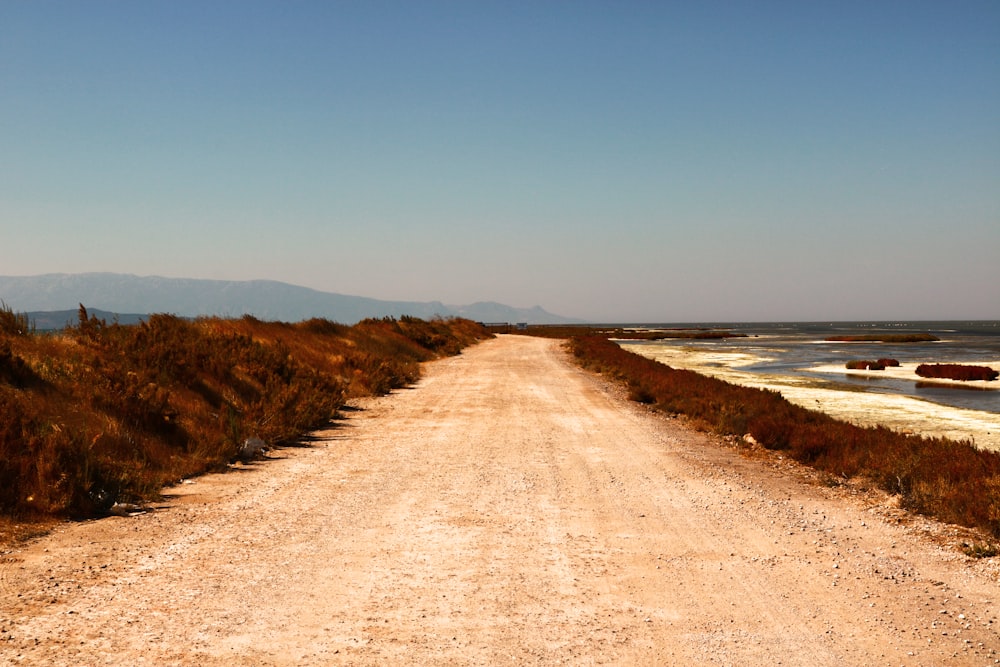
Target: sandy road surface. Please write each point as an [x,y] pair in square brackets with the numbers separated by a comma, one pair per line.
[509,510]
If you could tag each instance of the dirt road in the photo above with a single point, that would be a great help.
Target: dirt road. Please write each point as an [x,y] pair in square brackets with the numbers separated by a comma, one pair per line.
[508,510]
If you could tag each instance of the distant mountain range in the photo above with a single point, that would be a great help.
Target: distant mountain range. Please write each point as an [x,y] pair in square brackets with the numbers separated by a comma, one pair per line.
[53,299]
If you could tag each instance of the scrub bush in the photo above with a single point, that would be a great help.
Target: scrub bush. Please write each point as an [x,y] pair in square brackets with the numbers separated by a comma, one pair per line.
[957,372]
[103,412]
[862,365]
[952,481]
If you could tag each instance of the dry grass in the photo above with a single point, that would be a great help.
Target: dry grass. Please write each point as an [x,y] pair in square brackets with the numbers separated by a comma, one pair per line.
[952,481]
[104,412]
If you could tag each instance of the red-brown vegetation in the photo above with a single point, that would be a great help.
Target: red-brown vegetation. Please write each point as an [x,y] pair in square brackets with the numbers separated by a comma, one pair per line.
[866,364]
[885,338]
[104,411]
[961,372]
[953,481]
[863,364]
[683,334]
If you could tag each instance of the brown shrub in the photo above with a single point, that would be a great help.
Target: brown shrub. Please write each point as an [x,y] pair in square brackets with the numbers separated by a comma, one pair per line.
[14,324]
[953,481]
[864,364]
[105,411]
[961,372]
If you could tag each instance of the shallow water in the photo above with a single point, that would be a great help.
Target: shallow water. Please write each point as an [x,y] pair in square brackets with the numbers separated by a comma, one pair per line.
[796,359]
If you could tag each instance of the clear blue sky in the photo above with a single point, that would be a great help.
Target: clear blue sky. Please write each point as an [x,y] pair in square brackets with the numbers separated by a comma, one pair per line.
[614,161]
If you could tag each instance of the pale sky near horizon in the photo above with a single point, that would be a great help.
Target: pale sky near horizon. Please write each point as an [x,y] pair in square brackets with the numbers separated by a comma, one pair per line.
[612,161]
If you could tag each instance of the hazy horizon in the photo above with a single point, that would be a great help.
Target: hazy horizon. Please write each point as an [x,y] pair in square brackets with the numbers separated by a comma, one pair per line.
[638,162]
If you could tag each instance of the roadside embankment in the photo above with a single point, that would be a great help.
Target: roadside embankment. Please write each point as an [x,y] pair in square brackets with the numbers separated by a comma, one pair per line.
[104,413]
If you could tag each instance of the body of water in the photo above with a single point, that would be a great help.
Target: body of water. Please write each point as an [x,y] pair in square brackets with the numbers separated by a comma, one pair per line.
[796,359]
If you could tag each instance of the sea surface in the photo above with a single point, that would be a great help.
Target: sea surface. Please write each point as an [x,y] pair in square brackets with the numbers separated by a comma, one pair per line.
[796,359]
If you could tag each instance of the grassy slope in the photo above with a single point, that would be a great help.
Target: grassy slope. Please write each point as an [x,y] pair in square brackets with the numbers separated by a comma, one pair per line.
[109,411]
